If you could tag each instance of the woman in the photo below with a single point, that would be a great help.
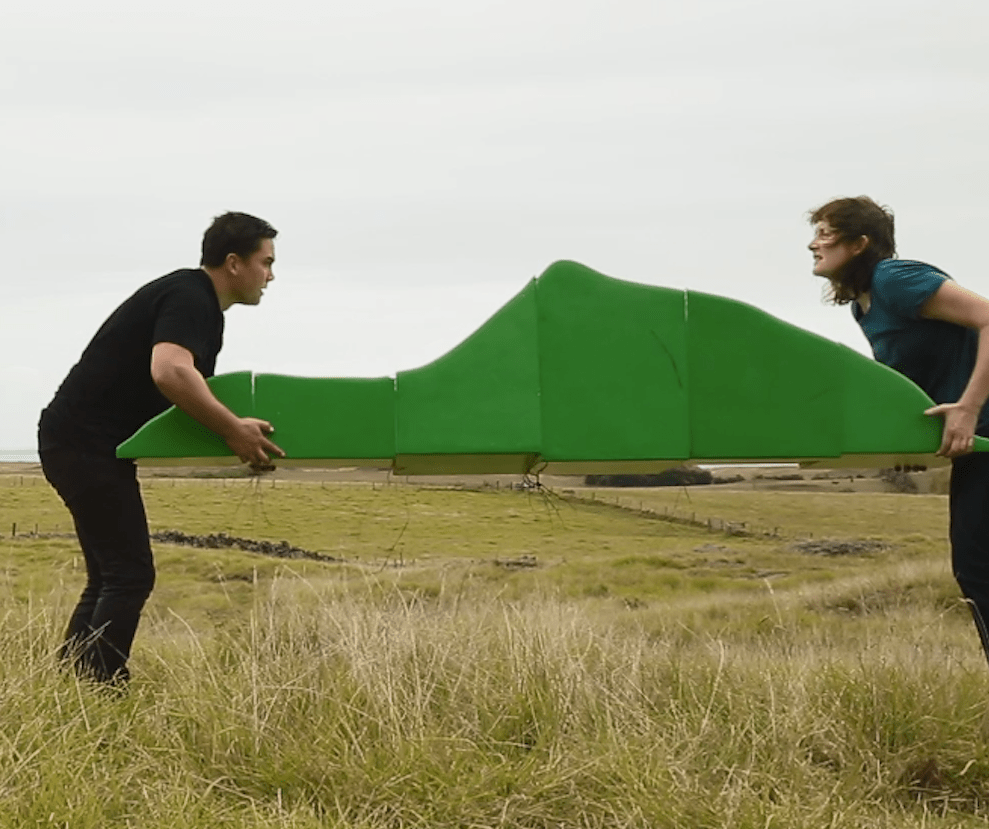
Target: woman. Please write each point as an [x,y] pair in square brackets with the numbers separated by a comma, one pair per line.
[923,324]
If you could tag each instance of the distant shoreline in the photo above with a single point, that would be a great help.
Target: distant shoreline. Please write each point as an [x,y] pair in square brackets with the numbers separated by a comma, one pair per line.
[19,456]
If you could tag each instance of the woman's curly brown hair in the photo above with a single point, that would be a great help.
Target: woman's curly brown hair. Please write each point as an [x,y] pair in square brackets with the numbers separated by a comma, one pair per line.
[852,218]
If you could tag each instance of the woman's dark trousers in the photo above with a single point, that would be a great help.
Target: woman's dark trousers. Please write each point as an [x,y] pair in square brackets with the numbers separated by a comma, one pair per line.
[969,507]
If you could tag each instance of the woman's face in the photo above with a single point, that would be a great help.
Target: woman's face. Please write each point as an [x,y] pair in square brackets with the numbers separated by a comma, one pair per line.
[831,254]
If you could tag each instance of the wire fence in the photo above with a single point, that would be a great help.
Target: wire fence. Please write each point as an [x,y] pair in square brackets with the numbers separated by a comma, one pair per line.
[626,503]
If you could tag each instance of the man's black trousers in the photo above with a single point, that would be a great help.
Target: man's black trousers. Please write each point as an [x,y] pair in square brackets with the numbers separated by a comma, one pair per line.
[104,497]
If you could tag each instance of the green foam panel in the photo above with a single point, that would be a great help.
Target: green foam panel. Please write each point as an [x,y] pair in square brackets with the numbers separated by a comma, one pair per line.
[581,372]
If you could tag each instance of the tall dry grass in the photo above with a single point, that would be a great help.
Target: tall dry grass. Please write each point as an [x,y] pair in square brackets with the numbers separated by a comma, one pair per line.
[329,696]
[346,712]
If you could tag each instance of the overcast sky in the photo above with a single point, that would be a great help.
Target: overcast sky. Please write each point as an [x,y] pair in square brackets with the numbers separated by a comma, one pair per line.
[422,161]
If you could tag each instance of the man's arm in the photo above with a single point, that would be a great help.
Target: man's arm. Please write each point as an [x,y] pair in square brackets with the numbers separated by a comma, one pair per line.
[174,372]
[952,303]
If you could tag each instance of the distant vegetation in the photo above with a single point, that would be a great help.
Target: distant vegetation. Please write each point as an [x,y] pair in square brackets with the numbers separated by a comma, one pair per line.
[641,669]
[678,476]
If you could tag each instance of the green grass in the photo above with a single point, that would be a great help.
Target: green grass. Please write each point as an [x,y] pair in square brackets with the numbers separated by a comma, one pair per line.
[645,673]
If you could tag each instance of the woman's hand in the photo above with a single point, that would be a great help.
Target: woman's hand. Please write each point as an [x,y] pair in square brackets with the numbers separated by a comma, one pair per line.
[959,428]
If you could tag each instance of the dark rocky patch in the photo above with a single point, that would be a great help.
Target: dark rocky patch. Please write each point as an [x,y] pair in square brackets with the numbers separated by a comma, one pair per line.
[218,541]
[839,546]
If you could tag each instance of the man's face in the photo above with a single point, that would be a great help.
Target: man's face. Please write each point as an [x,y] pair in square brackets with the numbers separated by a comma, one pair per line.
[252,275]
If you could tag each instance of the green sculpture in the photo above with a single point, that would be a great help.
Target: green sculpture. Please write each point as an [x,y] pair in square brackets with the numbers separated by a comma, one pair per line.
[584,373]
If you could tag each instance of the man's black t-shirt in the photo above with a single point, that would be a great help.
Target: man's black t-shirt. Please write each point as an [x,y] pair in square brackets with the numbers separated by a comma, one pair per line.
[109,393]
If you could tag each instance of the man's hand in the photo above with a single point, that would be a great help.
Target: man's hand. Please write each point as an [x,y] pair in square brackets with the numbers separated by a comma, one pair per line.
[247,437]
[959,428]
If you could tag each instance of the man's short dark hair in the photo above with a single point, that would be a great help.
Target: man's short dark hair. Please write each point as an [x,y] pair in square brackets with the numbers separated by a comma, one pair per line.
[237,233]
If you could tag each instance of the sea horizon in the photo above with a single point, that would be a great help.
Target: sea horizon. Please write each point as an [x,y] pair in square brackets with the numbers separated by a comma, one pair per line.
[19,456]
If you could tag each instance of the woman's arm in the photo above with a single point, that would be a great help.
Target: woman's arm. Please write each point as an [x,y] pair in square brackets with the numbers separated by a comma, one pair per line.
[954,304]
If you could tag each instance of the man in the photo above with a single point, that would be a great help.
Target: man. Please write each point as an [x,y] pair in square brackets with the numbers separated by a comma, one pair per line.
[157,348]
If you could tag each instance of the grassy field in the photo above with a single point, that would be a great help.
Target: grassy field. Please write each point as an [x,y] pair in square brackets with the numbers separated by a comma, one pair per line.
[500,658]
